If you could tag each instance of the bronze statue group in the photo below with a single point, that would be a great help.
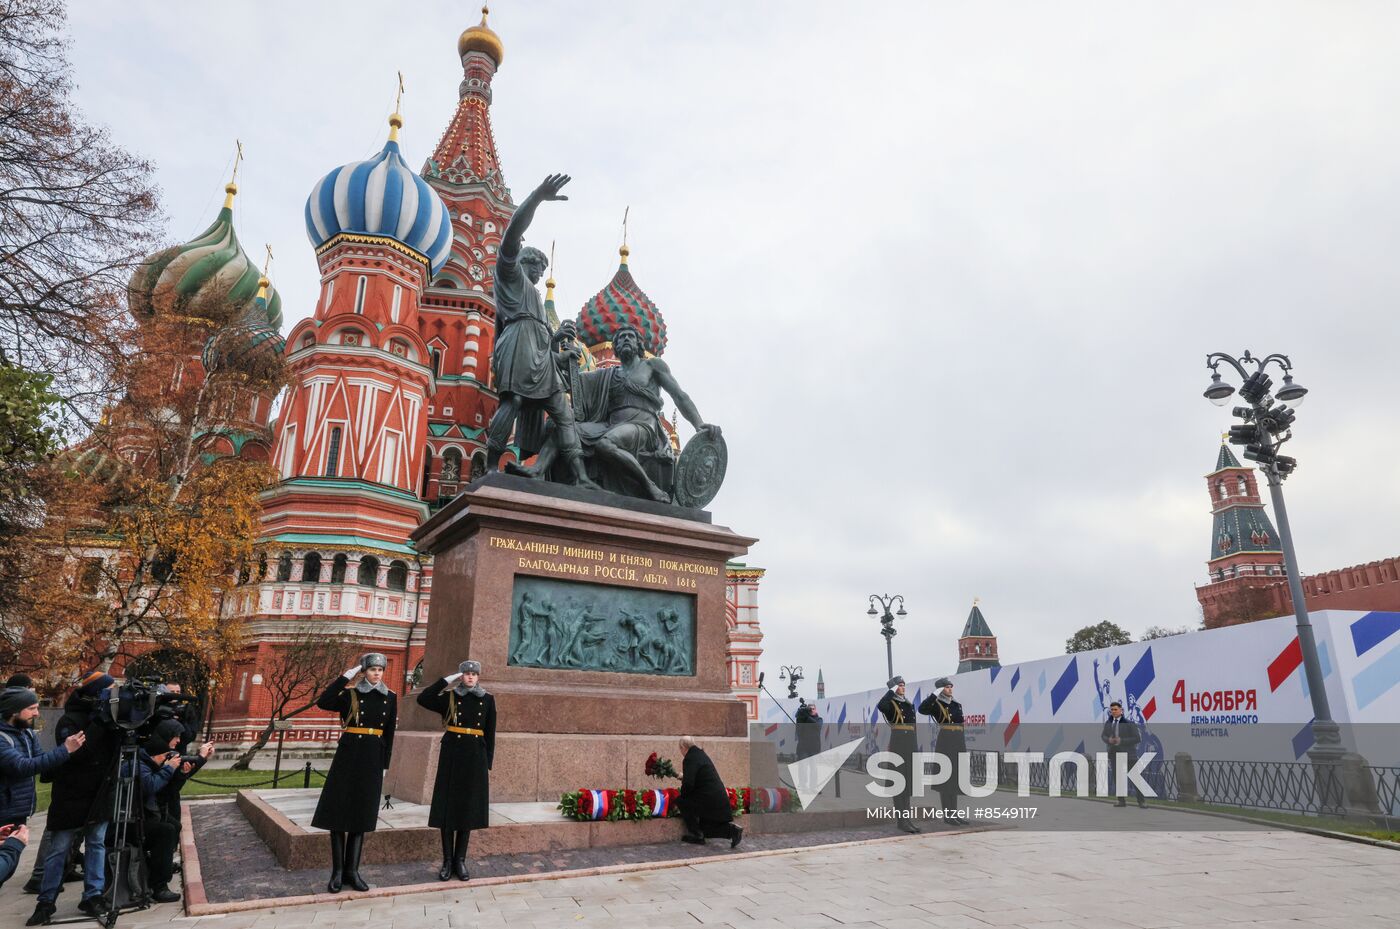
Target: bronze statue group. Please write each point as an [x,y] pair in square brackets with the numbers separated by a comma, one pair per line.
[349,803]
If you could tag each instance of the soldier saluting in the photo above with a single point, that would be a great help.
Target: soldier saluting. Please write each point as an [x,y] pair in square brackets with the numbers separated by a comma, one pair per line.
[349,804]
[899,713]
[947,713]
[462,790]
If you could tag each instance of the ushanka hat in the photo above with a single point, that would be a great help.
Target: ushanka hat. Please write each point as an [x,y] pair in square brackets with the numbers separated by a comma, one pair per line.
[894,682]
[469,667]
[373,660]
[943,682]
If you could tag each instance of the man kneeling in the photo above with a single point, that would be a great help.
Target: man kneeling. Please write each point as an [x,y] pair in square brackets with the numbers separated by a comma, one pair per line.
[704,801]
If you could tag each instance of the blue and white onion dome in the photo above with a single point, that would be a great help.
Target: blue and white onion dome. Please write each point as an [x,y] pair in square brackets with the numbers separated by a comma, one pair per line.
[381,197]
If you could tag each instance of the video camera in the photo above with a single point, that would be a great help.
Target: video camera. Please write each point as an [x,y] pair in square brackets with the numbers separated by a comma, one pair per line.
[137,705]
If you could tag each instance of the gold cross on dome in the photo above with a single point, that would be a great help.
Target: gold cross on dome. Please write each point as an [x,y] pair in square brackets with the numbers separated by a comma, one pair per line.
[267,262]
[237,159]
[398,97]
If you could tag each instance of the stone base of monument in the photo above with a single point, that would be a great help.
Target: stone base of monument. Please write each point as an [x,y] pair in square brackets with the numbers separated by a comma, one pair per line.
[282,820]
[534,766]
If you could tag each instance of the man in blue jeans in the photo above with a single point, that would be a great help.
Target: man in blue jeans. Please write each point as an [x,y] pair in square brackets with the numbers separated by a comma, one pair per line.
[81,804]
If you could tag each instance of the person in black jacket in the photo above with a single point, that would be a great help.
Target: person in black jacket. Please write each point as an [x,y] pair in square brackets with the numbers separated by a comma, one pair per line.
[704,801]
[462,789]
[951,743]
[809,738]
[81,804]
[349,802]
[1121,736]
[898,712]
[158,769]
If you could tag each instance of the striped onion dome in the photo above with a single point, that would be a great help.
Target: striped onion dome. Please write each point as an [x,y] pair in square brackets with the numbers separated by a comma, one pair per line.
[250,346]
[622,301]
[381,197]
[209,277]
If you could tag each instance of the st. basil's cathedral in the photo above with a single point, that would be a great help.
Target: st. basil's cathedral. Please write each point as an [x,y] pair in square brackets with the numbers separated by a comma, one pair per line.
[390,392]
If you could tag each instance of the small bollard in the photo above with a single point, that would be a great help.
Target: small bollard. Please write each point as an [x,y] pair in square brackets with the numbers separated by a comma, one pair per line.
[306,775]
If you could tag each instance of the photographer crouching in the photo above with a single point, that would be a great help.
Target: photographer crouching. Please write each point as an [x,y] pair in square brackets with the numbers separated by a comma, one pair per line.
[161,771]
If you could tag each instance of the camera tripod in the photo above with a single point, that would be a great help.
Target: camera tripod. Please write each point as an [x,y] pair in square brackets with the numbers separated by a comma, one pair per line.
[123,803]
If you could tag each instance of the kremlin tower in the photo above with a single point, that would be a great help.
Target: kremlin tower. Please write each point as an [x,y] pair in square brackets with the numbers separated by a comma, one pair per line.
[977,646]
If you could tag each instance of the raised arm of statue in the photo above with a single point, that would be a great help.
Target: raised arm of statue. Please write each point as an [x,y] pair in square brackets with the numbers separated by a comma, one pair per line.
[525,213]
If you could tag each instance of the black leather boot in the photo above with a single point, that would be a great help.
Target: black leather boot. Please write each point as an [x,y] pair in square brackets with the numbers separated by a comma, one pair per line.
[445,871]
[337,861]
[459,856]
[354,845]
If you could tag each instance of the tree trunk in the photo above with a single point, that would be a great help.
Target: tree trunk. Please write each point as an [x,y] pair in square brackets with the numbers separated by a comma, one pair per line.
[246,759]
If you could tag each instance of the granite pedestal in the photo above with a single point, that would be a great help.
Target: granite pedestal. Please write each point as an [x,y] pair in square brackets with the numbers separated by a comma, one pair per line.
[560,728]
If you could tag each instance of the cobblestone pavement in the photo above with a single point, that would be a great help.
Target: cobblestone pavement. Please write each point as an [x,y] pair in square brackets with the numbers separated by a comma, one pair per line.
[247,870]
[1024,879]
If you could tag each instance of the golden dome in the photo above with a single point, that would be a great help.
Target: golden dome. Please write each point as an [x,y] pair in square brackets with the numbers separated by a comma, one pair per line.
[481,38]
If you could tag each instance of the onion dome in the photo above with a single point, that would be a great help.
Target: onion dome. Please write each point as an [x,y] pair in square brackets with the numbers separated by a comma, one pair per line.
[209,277]
[250,346]
[622,301]
[481,38]
[381,197]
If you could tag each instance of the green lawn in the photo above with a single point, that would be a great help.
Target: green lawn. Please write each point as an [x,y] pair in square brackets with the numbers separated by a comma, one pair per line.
[223,781]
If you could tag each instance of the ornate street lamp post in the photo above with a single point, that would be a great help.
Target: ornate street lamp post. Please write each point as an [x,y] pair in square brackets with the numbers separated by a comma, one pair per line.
[792,674]
[1267,425]
[887,623]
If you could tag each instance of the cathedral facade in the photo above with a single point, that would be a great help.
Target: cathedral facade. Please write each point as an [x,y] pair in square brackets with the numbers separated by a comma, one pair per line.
[385,417]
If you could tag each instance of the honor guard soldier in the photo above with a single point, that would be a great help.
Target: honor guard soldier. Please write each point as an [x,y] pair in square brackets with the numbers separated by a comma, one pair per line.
[349,804]
[899,713]
[462,790]
[947,714]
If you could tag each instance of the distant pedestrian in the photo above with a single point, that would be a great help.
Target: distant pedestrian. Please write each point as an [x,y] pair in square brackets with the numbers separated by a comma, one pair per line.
[1121,735]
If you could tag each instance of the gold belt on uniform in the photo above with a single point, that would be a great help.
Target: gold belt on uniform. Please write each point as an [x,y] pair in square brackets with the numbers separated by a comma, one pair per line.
[361,730]
[463,730]
[898,726]
[953,726]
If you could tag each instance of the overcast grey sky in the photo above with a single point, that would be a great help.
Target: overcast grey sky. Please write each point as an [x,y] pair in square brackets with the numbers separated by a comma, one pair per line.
[945,273]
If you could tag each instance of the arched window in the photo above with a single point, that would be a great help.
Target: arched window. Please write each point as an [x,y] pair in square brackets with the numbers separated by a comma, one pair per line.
[369,571]
[333,453]
[1220,487]
[262,566]
[398,576]
[284,566]
[437,363]
[451,466]
[338,569]
[478,466]
[1244,486]
[427,469]
[311,568]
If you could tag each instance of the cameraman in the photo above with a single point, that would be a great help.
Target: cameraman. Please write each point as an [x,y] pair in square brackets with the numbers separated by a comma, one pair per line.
[159,768]
[183,710]
[81,805]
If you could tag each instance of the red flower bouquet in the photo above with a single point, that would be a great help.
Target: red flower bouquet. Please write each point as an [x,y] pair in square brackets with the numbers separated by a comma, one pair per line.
[660,767]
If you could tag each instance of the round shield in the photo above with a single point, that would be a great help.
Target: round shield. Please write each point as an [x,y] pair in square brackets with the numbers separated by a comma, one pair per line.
[700,469]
